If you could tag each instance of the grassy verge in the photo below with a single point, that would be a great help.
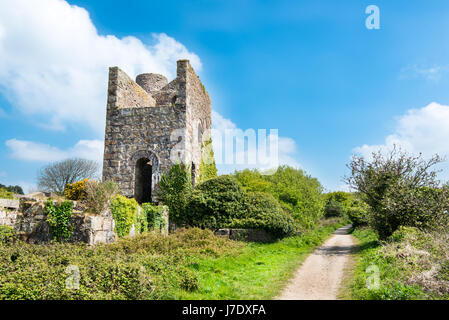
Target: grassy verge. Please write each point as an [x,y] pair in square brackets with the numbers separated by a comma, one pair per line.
[260,271]
[404,266]
[189,264]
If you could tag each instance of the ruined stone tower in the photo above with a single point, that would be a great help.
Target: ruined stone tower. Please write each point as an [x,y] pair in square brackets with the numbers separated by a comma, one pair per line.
[152,124]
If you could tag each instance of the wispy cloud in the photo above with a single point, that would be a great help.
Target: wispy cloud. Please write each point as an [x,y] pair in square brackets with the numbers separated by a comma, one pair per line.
[32,151]
[429,73]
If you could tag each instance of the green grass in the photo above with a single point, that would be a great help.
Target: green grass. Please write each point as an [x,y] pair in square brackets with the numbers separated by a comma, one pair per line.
[394,271]
[188,264]
[260,271]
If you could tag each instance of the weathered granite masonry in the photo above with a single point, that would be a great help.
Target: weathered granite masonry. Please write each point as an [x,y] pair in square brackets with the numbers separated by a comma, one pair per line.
[30,223]
[152,124]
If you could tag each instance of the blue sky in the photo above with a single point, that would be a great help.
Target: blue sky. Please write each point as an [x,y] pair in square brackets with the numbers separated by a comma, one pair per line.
[308,68]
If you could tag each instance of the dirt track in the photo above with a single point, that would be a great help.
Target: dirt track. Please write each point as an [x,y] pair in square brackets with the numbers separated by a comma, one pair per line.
[319,277]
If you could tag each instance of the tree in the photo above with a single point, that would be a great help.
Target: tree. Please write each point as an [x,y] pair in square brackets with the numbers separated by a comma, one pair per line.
[400,189]
[13,189]
[55,176]
[175,190]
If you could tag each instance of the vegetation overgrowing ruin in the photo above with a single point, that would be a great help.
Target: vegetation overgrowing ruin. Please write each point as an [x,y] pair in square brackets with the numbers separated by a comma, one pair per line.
[158,227]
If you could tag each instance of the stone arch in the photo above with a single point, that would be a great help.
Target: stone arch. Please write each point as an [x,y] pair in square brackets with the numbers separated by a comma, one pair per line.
[146,175]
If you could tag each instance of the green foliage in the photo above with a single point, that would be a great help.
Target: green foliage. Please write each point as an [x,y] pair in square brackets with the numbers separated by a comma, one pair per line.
[401,190]
[208,169]
[257,271]
[141,222]
[7,234]
[214,203]
[149,266]
[342,197]
[337,204]
[358,212]
[99,194]
[59,217]
[5,194]
[188,264]
[175,191]
[334,209]
[411,265]
[253,181]
[264,212]
[154,216]
[13,189]
[124,212]
[297,192]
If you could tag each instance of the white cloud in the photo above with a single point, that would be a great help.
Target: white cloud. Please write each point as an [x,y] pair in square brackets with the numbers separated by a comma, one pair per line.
[54,63]
[424,130]
[32,151]
[433,73]
[221,125]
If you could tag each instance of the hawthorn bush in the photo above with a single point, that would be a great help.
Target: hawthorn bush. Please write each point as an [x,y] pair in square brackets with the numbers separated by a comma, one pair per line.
[401,190]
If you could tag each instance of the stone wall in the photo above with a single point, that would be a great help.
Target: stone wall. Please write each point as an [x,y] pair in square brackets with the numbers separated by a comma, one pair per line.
[155,120]
[29,220]
[30,224]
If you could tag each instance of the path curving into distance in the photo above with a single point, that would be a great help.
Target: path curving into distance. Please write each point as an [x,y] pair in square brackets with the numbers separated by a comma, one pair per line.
[320,276]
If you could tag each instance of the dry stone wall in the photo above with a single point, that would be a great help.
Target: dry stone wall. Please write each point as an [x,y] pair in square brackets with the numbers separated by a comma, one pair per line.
[30,223]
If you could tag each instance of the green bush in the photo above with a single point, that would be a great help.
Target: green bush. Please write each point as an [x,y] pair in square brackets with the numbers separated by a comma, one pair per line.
[264,212]
[7,234]
[13,189]
[149,266]
[5,194]
[334,209]
[124,212]
[175,190]
[296,191]
[401,190]
[337,203]
[214,203]
[141,222]
[154,216]
[358,213]
[59,217]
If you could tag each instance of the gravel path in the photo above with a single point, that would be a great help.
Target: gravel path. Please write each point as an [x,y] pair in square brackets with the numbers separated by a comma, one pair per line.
[319,277]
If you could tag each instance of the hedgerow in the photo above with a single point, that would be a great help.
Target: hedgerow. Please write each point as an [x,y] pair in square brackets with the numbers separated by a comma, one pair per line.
[149,266]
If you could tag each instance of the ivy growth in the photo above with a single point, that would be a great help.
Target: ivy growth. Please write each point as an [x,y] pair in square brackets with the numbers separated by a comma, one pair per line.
[154,216]
[58,217]
[124,212]
[208,169]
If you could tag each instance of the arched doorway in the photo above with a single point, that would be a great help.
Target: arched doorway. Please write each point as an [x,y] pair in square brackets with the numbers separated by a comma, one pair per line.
[143,180]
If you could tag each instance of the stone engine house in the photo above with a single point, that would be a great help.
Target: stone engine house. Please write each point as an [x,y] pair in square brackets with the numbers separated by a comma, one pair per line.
[152,124]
